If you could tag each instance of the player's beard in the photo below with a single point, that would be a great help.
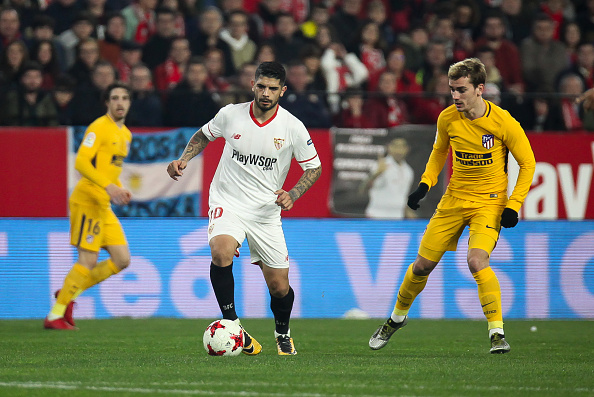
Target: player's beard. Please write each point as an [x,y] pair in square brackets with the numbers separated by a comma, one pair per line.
[267,107]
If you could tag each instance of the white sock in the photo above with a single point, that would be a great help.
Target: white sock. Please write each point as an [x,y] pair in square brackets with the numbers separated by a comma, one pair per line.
[396,318]
[496,331]
[52,317]
[276,334]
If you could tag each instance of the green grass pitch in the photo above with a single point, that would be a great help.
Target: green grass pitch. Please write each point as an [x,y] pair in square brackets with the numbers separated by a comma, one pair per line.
[165,357]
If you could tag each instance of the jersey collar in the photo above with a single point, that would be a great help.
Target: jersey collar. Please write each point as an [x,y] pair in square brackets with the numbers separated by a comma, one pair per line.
[254,117]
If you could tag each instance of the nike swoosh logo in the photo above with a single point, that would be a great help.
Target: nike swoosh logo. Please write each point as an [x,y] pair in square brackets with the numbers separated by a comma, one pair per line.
[489,227]
[487,304]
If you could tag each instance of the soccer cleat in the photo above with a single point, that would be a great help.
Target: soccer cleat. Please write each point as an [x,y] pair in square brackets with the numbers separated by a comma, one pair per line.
[68,313]
[383,334]
[59,323]
[285,345]
[498,344]
[251,347]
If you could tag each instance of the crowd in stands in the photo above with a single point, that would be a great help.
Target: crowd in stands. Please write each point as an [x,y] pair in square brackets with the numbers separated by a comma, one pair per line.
[350,63]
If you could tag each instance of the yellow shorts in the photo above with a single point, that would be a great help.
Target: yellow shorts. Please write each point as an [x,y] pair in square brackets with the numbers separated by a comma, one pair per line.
[450,219]
[93,227]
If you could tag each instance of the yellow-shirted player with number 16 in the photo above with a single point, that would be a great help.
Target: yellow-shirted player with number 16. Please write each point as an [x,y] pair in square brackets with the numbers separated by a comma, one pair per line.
[481,136]
[93,225]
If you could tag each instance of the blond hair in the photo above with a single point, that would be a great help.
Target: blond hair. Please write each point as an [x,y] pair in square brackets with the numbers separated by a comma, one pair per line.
[472,68]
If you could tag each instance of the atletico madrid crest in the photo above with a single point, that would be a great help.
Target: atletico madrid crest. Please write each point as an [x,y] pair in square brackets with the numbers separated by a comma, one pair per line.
[278,143]
[488,141]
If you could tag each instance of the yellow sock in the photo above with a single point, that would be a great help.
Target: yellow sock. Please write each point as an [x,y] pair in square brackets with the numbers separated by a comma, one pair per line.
[411,286]
[77,278]
[489,293]
[102,271]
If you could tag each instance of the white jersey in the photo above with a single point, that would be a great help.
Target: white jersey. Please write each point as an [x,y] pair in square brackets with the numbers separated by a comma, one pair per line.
[389,193]
[256,159]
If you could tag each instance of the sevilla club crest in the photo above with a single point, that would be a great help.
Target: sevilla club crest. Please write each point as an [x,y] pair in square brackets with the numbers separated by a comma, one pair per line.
[278,143]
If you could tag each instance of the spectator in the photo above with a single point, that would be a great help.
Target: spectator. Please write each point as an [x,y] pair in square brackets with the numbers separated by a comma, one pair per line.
[311,56]
[170,72]
[583,67]
[43,29]
[87,57]
[436,62]
[507,55]
[376,12]
[267,14]
[458,47]
[319,15]
[517,15]
[341,70]
[487,57]
[83,27]
[64,12]
[571,86]
[44,53]
[571,36]
[146,109]
[287,44]
[307,106]
[28,10]
[130,56]
[9,27]
[370,48]
[346,21]
[189,104]
[208,36]
[384,110]
[178,8]
[438,90]
[87,102]
[265,53]
[326,36]
[556,10]
[115,32]
[14,56]
[230,6]
[140,20]
[216,83]
[62,96]
[242,90]
[28,105]
[351,114]
[156,49]
[100,10]
[414,45]
[542,57]
[543,115]
[243,49]
[466,19]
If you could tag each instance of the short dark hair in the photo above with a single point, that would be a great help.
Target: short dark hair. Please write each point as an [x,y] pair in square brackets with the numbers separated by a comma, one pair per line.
[273,70]
[113,86]
[31,65]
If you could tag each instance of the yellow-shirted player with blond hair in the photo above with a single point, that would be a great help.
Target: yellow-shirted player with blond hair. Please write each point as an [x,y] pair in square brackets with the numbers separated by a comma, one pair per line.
[481,135]
[93,225]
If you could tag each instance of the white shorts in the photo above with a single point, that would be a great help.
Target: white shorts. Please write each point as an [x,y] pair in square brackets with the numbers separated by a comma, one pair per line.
[265,240]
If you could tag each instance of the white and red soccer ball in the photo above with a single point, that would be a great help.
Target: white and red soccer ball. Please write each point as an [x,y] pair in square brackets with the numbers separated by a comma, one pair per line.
[223,338]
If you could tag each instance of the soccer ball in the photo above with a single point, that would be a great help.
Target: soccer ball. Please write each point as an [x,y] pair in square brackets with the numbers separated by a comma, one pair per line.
[223,338]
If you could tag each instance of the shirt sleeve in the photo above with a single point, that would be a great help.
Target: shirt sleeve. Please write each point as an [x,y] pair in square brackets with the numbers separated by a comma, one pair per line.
[214,128]
[438,156]
[518,144]
[88,149]
[304,149]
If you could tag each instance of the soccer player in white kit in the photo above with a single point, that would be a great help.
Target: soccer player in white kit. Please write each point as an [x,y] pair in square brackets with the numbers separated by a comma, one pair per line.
[246,194]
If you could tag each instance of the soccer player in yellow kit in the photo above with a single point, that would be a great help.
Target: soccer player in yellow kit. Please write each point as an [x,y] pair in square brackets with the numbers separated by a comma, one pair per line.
[480,134]
[93,225]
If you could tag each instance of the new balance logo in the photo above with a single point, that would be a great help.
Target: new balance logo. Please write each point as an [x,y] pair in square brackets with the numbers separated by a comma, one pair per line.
[236,136]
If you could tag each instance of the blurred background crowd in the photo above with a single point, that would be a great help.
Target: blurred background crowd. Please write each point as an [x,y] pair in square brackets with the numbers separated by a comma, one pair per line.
[350,63]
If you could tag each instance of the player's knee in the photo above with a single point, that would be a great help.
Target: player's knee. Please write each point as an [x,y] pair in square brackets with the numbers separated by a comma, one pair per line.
[278,288]
[476,263]
[221,257]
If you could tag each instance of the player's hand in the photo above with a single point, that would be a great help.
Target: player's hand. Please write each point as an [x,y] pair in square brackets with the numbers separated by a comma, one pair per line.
[417,195]
[176,168]
[509,218]
[587,99]
[382,165]
[118,195]
[283,200]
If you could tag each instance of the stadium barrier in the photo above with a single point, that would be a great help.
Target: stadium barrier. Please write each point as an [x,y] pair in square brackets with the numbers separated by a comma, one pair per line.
[339,268]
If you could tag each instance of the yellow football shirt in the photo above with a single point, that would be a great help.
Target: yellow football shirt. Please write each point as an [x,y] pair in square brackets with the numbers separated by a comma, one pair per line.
[99,160]
[479,153]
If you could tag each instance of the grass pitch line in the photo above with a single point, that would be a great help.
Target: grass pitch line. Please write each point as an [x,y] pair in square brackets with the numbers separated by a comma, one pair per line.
[143,390]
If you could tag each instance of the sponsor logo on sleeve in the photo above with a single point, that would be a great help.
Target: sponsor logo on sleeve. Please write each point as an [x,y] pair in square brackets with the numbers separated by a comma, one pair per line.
[309,142]
[89,139]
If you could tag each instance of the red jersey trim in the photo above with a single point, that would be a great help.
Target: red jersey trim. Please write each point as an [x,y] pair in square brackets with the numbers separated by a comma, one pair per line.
[305,161]
[254,117]
[208,125]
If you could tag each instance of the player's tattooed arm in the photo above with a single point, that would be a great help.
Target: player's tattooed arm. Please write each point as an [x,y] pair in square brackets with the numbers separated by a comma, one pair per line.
[309,177]
[196,145]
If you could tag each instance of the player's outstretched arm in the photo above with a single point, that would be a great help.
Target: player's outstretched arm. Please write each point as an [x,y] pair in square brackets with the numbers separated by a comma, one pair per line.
[196,145]
[285,200]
